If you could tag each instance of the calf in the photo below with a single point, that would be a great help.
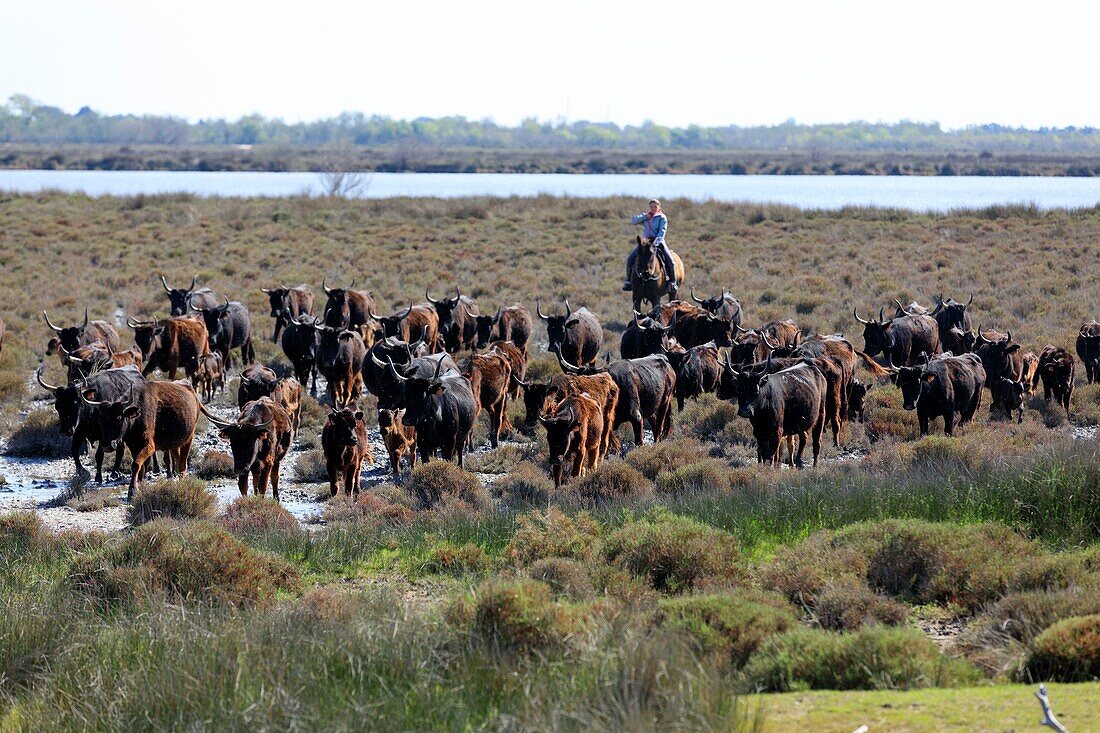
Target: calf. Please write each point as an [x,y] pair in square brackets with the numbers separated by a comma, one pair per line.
[210,376]
[700,373]
[945,386]
[1030,374]
[857,400]
[490,376]
[1007,395]
[256,381]
[537,397]
[288,395]
[344,441]
[400,439]
[574,429]
[1057,369]
[1088,349]
[154,416]
[259,440]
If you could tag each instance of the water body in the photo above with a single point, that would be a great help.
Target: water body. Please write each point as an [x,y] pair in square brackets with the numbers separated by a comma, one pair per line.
[917,193]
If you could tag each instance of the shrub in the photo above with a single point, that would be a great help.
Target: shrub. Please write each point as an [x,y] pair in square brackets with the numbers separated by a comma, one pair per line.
[801,572]
[440,483]
[708,476]
[504,459]
[873,658]
[378,506]
[451,559]
[846,606]
[310,467]
[613,480]
[672,551]
[564,576]
[653,459]
[24,532]
[519,615]
[195,561]
[726,625]
[314,415]
[182,498]
[257,514]
[214,464]
[1025,615]
[92,501]
[37,436]
[526,486]
[554,533]
[1068,651]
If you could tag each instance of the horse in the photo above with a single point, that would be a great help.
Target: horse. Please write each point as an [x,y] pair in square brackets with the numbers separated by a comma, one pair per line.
[649,281]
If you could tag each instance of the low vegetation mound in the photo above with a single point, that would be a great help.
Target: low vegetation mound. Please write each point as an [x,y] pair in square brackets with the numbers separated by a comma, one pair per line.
[526,486]
[553,533]
[874,658]
[672,551]
[1069,651]
[440,484]
[614,480]
[193,561]
[172,498]
[564,576]
[726,625]
[36,436]
[520,615]
[250,515]
[847,606]
[447,558]
[654,459]
[214,464]
[310,466]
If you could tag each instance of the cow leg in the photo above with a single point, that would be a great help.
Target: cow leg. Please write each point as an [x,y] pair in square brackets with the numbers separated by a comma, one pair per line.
[251,352]
[137,473]
[75,446]
[273,473]
[818,429]
[183,458]
[259,481]
[99,451]
[334,470]
[242,483]
[118,461]
[789,439]
[922,419]
[636,424]
[801,449]
[578,469]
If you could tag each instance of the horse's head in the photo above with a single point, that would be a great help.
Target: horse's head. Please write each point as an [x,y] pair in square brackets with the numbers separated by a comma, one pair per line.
[649,264]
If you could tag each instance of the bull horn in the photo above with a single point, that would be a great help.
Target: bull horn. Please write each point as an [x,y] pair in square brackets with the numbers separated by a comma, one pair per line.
[265,290]
[263,425]
[192,285]
[438,366]
[880,318]
[768,343]
[38,376]
[538,310]
[192,306]
[48,323]
[377,362]
[637,315]
[328,290]
[518,381]
[1008,337]
[565,365]
[496,316]
[458,293]
[728,363]
[349,287]
[397,375]
[165,284]
[85,324]
[226,306]
[429,297]
[856,316]
[370,314]
[214,418]
[745,330]
[693,296]
[900,306]
[568,310]
[969,301]
[418,343]
[981,337]
[403,316]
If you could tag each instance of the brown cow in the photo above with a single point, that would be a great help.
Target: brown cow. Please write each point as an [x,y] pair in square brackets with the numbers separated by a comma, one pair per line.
[287,304]
[73,337]
[340,359]
[600,387]
[259,440]
[574,430]
[347,308]
[288,395]
[1030,374]
[155,416]
[693,326]
[171,345]
[1057,369]
[490,376]
[512,324]
[256,381]
[754,344]
[210,376]
[344,440]
[415,323]
[517,359]
[400,439]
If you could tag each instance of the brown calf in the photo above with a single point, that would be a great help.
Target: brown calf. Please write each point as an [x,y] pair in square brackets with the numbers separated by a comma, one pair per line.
[288,395]
[400,439]
[574,433]
[259,439]
[344,440]
[210,376]
[490,376]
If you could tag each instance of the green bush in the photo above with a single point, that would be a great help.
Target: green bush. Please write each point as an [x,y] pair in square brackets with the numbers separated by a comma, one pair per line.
[654,459]
[517,614]
[441,483]
[564,576]
[553,533]
[382,505]
[451,559]
[36,436]
[708,476]
[526,486]
[726,625]
[1068,651]
[1025,615]
[194,561]
[847,606]
[185,497]
[673,552]
[802,571]
[214,464]
[874,658]
[310,467]
[23,533]
[250,515]
[614,480]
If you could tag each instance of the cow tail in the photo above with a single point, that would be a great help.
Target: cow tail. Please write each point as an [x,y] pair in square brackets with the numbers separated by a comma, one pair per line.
[873,366]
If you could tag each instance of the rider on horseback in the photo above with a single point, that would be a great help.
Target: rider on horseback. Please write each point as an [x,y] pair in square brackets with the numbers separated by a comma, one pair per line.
[654,225]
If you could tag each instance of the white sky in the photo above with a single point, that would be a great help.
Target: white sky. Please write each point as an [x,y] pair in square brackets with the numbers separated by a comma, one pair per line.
[676,63]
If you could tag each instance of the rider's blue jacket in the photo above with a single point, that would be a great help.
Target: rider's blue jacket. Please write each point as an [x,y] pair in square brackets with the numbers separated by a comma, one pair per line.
[654,228]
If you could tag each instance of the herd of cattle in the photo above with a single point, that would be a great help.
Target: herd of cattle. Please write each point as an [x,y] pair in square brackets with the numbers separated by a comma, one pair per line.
[787,383]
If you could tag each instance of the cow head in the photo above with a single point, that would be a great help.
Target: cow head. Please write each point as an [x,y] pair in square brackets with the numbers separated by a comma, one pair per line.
[343,426]
[87,360]
[180,298]
[419,407]
[444,308]
[301,332]
[913,309]
[718,303]
[951,313]
[116,417]
[280,307]
[337,311]
[674,352]
[391,325]
[534,397]
[878,336]
[147,335]
[555,325]
[216,320]
[389,421]
[650,334]
[66,402]
[563,428]
[857,400]
[1008,395]
[485,327]
[914,382]
[959,341]
[246,436]
[744,384]
[996,353]
[754,345]
[67,338]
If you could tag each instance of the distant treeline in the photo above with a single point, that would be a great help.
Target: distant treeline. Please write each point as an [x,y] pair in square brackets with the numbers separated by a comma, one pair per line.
[23,120]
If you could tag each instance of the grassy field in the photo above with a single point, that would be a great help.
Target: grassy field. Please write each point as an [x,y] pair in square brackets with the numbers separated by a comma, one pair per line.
[423,158]
[661,593]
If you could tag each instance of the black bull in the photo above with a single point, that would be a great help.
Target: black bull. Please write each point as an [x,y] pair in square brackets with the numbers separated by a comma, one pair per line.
[902,340]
